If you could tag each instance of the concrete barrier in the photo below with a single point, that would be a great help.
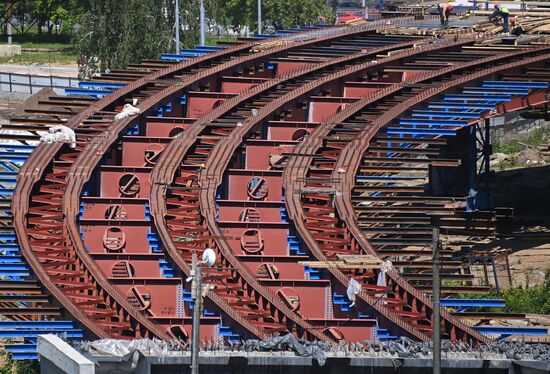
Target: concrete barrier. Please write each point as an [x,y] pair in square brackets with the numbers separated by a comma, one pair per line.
[58,357]
[7,50]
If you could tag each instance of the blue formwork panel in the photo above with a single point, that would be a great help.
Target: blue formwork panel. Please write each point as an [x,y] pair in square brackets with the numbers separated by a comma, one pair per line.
[14,157]
[172,57]
[56,325]
[432,122]
[384,178]
[8,177]
[495,91]
[7,236]
[431,114]
[21,348]
[191,53]
[18,147]
[477,98]
[101,85]
[495,303]
[515,84]
[8,166]
[85,92]
[286,32]
[9,248]
[423,131]
[264,36]
[211,48]
[461,106]
[512,330]
[23,333]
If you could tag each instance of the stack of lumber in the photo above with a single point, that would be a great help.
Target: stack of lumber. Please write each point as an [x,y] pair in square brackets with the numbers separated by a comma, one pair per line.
[530,25]
[356,22]
[545,150]
[270,44]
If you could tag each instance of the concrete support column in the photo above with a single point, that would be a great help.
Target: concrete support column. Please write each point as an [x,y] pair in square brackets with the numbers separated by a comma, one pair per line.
[57,357]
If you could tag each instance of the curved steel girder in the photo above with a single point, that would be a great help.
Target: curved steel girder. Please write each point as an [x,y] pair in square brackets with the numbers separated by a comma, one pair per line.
[83,167]
[175,151]
[351,158]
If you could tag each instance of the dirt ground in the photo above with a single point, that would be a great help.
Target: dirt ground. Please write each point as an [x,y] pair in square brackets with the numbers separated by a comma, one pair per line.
[527,190]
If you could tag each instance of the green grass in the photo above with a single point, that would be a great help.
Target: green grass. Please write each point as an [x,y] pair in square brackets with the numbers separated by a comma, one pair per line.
[60,47]
[508,148]
[28,58]
[212,40]
[508,164]
[535,138]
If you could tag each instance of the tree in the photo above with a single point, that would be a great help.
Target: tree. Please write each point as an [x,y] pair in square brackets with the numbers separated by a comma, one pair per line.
[534,299]
[284,13]
[114,33]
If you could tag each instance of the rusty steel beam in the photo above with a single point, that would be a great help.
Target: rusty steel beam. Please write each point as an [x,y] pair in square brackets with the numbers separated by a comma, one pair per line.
[352,159]
[340,118]
[50,150]
[168,155]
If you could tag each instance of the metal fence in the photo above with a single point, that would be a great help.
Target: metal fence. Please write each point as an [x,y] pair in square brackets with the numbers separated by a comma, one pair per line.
[31,84]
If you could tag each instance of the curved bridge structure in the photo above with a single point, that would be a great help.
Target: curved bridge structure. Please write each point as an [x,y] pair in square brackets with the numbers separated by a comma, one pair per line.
[317,145]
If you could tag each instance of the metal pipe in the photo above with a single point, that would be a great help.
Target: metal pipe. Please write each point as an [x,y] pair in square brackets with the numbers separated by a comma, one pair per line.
[203,24]
[495,274]
[436,319]
[196,295]
[177,27]
[10,14]
[259,16]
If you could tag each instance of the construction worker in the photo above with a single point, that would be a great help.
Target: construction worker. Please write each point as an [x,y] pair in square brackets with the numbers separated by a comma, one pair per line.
[504,14]
[444,13]
[516,28]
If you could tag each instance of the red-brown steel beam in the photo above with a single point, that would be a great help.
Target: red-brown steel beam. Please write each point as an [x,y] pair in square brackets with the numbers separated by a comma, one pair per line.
[351,159]
[43,153]
[188,135]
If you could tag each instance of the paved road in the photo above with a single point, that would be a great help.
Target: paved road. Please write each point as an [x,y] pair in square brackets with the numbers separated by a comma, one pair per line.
[70,70]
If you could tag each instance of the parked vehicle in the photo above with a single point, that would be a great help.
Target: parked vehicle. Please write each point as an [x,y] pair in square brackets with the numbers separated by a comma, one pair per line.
[349,11]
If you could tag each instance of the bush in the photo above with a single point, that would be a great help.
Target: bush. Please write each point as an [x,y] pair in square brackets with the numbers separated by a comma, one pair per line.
[534,300]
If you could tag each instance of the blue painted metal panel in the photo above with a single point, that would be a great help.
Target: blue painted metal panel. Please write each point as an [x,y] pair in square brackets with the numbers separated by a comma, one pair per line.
[495,90]
[511,330]
[424,131]
[473,302]
[515,84]
[172,57]
[101,85]
[461,106]
[437,114]
[37,324]
[432,122]
[85,92]
[477,100]
[23,333]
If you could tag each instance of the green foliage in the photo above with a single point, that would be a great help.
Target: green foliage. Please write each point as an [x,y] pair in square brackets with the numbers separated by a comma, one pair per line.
[531,300]
[40,58]
[114,33]
[9,366]
[286,13]
[534,138]
[535,299]
[538,136]
[508,148]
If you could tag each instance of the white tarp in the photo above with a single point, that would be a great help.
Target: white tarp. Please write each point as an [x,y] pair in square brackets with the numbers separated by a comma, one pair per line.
[59,134]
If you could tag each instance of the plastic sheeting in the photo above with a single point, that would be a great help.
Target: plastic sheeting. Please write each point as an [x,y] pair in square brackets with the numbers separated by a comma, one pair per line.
[128,111]
[59,134]
[381,280]
[353,289]
[118,348]
[317,350]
